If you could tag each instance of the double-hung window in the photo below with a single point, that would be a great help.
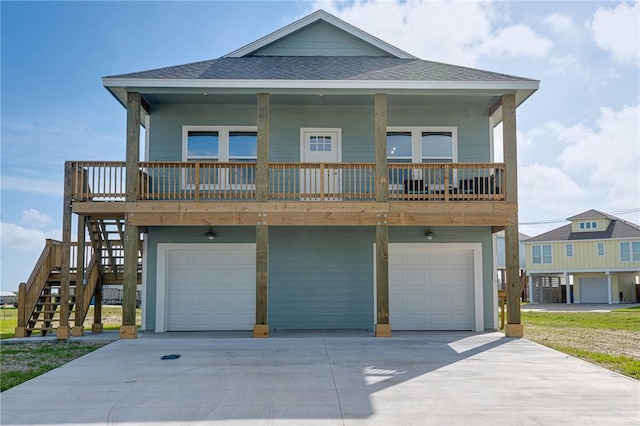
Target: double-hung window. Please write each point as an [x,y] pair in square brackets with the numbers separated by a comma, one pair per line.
[569,250]
[630,251]
[211,145]
[541,254]
[600,249]
[419,145]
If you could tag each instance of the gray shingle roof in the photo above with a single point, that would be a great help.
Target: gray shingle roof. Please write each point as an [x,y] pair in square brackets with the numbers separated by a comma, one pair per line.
[592,214]
[618,228]
[321,68]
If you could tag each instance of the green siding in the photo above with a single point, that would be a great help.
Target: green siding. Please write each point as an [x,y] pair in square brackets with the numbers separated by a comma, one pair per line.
[459,235]
[321,277]
[183,234]
[320,39]
[355,120]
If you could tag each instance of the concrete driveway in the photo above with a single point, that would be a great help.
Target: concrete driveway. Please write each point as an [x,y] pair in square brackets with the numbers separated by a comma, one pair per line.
[325,379]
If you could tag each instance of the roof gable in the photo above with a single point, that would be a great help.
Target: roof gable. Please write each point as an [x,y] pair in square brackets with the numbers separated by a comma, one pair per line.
[617,228]
[320,30]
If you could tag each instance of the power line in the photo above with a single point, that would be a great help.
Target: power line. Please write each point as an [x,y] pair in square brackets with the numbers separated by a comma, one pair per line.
[550,221]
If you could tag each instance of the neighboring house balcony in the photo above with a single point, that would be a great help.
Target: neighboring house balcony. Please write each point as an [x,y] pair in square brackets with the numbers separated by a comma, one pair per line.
[409,193]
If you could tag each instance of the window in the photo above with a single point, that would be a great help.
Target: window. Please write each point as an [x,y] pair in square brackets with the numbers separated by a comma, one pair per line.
[630,251]
[588,225]
[541,254]
[569,250]
[600,249]
[419,145]
[208,144]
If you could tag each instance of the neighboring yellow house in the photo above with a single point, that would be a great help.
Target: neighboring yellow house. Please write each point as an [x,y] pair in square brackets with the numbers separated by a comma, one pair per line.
[597,254]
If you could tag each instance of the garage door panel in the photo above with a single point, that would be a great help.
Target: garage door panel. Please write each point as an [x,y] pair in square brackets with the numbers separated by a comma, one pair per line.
[594,290]
[210,289]
[416,259]
[437,260]
[437,295]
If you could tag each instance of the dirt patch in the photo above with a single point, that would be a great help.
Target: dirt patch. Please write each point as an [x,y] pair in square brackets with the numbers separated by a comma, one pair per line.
[613,342]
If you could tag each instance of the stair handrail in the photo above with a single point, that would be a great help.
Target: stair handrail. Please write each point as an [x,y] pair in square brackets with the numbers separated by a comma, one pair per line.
[93,277]
[29,292]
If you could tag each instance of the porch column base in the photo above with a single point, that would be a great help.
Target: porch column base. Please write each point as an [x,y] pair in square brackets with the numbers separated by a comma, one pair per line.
[261,330]
[77,331]
[63,332]
[97,327]
[21,332]
[128,332]
[383,330]
[513,330]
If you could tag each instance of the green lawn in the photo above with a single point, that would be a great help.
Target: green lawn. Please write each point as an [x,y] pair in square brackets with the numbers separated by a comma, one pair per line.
[609,339]
[111,318]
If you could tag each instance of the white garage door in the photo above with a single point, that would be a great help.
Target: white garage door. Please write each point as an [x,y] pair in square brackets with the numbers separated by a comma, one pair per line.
[430,289]
[594,290]
[212,288]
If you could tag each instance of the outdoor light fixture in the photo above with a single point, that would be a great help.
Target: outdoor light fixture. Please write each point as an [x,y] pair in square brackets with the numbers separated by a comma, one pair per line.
[428,235]
[210,235]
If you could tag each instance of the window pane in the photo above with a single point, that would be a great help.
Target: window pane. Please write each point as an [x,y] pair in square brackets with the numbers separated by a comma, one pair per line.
[399,144]
[625,253]
[569,250]
[202,144]
[635,248]
[537,255]
[243,144]
[437,144]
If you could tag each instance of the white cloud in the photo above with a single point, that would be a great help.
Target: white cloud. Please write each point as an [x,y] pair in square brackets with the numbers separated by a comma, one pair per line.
[617,30]
[33,185]
[560,23]
[515,41]
[606,157]
[567,64]
[16,237]
[455,32]
[542,187]
[35,218]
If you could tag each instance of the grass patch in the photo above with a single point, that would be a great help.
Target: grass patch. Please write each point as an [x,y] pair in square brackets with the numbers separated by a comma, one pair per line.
[8,322]
[620,363]
[111,319]
[632,309]
[24,361]
[595,320]
[611,339]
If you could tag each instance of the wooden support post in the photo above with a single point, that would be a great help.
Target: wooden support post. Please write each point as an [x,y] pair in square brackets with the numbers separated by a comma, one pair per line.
[383,328]
[21,329]
[128,329]
[97,326]
[63,331]
[262,166]
[513,328]
[78,329]
[382,174]
[261,327]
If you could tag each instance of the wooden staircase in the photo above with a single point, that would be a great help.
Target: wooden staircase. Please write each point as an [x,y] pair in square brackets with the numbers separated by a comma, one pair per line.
[39,298]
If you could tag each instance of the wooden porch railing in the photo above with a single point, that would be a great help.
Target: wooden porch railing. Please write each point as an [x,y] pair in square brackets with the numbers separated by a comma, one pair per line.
[204,181]
[322,182]
[28,293]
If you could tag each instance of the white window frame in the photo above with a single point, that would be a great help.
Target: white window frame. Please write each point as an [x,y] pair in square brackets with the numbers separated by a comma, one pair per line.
[542,256]
[569,250]
[416,147]
[634,256]
[598,246]
[223,156]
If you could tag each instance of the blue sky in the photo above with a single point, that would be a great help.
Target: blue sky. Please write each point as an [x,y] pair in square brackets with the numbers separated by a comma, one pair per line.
[578,136]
